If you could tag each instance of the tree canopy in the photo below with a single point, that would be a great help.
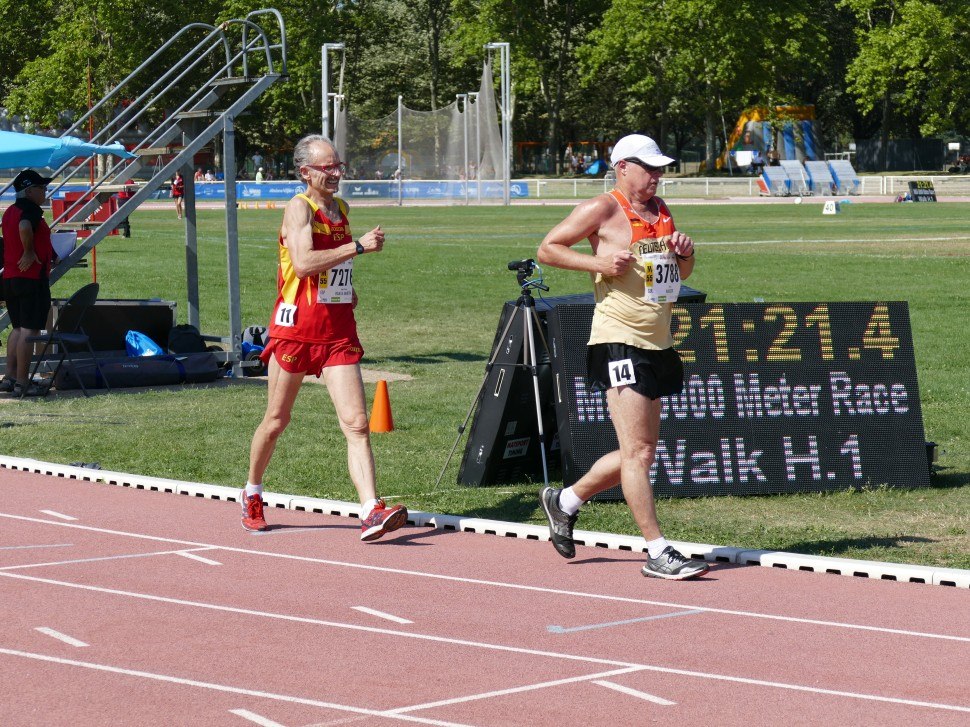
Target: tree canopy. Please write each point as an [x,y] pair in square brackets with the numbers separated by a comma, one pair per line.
[680,70]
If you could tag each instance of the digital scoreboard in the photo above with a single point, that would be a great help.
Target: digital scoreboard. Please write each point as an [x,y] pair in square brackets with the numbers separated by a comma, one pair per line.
[778,398]
[922,191]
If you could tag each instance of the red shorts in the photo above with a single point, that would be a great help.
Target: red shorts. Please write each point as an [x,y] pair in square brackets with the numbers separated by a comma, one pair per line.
[297,357]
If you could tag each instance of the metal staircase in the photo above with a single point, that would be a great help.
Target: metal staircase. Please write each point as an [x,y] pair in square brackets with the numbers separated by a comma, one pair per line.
[191,102]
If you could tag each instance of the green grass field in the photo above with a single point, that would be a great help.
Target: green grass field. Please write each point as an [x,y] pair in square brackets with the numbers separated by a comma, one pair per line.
[429,307]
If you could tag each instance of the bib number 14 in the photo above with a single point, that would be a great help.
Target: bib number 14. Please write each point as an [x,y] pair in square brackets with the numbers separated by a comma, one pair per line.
[621,373]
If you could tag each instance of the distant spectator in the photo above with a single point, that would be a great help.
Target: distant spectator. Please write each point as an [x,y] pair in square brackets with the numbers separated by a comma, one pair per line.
[757,162]
[199,176]
[259,174]
[178,191]
[774,158]
[209,176]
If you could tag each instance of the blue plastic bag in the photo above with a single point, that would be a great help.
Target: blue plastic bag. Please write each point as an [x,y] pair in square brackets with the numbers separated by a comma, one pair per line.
[138,344]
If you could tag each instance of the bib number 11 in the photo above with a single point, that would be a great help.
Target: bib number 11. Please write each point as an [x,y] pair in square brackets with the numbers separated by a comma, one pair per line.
[621,373]
[286,315]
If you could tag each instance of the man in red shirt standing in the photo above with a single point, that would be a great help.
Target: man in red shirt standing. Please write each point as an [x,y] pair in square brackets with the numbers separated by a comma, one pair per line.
[313,331]
[27,257]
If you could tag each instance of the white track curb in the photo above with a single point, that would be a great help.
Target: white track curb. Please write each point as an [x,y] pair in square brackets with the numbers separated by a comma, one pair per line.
[714,553]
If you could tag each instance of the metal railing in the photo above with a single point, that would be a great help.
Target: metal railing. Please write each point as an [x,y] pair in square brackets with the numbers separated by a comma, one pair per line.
[946,185]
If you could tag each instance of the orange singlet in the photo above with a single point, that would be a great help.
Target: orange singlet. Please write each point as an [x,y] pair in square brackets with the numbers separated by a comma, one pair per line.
[622,314]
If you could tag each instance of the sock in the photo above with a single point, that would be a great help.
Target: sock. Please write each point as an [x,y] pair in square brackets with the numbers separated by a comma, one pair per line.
[656,547]
[367,508]
[569,501]
[252,489]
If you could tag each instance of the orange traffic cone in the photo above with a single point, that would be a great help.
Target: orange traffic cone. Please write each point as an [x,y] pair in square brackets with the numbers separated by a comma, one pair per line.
[380,415]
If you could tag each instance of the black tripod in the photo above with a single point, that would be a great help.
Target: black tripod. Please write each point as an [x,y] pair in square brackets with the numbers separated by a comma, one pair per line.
[525,308]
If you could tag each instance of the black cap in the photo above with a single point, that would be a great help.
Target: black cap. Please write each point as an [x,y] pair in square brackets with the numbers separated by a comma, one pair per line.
[30,178]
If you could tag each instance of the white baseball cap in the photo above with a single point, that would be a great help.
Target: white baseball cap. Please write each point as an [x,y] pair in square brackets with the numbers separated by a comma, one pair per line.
[638,146]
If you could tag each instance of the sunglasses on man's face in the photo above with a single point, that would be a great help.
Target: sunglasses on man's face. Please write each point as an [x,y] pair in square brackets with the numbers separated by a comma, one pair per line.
[339,167]
[643,165]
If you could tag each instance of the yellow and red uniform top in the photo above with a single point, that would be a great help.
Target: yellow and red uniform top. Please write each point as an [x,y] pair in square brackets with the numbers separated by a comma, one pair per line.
[302,311]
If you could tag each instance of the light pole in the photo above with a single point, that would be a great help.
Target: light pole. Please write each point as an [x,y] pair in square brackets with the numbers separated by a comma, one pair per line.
[506,76]
[473,95]
[325,82]
[463,99]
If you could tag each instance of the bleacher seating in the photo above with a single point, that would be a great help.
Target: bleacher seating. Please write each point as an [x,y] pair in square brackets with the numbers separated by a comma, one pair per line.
[777,180]
[846,180]
[820,178]
[798,180]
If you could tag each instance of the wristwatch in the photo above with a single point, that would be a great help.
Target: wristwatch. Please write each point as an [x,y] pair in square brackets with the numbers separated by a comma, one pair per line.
[360,248]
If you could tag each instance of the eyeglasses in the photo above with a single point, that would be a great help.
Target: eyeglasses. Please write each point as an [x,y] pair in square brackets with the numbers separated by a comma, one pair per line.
[328,168]
[643,165]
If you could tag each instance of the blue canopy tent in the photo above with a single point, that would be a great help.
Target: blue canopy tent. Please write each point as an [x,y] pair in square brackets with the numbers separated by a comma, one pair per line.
[597,167]
[30,150]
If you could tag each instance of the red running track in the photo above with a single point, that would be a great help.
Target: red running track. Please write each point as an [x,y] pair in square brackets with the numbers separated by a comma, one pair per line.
[147,608]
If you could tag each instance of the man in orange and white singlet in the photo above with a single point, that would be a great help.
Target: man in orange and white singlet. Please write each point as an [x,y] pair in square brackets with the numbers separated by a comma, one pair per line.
[313,331]
[638,260]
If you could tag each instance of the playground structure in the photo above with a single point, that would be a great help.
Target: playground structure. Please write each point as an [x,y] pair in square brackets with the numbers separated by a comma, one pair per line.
[220,70]
[789,132]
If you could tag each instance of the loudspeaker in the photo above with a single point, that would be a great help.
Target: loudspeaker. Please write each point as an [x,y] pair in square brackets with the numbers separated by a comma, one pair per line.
[503,440]
[109,321]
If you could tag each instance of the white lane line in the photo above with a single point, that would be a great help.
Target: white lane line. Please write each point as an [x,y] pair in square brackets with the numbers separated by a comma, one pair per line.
[61,515]
[95,560]
[283,531]
[635,693]
[28,547]
[317,622]
[381,614]
[59,636]
[224,688]
[253,717]
[513,690]
[193,556]
[489,646]
[608,624]
[502,584]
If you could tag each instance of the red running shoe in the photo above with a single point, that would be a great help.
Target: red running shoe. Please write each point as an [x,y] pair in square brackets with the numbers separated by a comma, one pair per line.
[383,519]
[252,507]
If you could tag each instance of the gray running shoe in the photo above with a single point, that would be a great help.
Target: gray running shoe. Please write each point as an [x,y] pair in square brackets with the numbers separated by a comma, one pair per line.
[672,565]
[560,524]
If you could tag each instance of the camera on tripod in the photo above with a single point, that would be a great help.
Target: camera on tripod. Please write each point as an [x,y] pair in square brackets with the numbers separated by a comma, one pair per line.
[524,266]
[524,269]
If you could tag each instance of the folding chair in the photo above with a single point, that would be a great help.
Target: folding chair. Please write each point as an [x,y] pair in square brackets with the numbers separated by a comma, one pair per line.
[68,333]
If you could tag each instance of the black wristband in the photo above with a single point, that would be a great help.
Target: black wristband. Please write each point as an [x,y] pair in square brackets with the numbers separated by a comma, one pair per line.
[360,248]
[686,257]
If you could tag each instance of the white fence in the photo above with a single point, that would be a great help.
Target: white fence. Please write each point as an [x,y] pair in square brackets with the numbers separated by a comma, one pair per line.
[950,185]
